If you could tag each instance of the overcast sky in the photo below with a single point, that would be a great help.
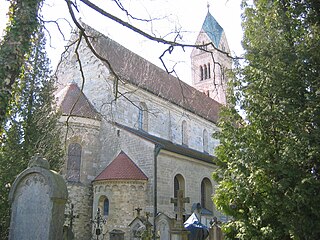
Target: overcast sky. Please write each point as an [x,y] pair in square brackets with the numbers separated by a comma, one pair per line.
[186,16]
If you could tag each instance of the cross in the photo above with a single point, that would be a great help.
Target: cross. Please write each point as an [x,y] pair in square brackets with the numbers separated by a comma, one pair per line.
[71,216]
[138,209]
[180,201]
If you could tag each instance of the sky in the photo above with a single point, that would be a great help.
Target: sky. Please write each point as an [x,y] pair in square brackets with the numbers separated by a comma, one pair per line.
[169,15]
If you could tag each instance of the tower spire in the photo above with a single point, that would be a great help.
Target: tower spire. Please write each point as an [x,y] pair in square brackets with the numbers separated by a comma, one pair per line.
[208,6]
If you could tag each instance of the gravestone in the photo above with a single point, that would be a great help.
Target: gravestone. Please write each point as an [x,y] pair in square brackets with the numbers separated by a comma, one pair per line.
[38,198]
[178,232]
[116,234]
[164,224]
[215,231]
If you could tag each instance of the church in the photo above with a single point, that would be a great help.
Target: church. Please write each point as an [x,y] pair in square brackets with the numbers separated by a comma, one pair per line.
[128,158]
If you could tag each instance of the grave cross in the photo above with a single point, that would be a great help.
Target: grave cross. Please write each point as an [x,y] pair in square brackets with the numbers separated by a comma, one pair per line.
[180,201]
[71,216]
[138,209]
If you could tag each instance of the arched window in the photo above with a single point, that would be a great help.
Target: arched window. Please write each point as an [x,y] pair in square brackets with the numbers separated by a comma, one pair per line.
[74,162]
[184,133]
[205,140]
[205,72]
[143,117]
[209,71]
[201,73]
[104,205]
[206,193]
[178,184]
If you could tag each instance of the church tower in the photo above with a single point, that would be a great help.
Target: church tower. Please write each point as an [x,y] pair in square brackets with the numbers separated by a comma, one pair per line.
[209,65]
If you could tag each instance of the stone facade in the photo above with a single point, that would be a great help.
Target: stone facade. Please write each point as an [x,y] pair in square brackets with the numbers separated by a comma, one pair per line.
[163,126]
[214,82]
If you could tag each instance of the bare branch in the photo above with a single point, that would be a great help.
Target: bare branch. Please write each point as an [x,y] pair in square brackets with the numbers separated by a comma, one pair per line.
[119,4]
[147,35]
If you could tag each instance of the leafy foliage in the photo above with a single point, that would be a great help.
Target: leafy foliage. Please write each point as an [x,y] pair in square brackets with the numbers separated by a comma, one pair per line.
[268,179]
[32,126]
[15,46]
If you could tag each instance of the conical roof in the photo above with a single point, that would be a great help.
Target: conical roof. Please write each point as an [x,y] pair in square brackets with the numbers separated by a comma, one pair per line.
[72,101]
[121,168]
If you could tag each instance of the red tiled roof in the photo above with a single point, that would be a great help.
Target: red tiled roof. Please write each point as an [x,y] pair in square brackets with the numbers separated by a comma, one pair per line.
[121,168]
[72,101]
[134,69]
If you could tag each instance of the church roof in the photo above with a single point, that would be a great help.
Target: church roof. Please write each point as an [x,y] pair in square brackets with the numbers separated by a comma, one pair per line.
[135,70]
[121,168]
[213,29]
[170,146]
[72,101]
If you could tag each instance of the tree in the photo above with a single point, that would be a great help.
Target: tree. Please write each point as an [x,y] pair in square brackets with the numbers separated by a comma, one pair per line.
[15,46]
[32,126]
[268,162]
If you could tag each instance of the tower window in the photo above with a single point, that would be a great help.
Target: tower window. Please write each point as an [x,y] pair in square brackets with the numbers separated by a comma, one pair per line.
[74,162]
[205,72]
[201,73]
[209,71]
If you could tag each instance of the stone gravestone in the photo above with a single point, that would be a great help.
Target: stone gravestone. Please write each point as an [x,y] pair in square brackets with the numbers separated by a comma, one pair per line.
[215,230]
[38,198]
[178,232]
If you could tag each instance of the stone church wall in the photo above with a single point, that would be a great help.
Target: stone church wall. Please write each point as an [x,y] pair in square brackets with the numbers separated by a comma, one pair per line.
[138,150]
[86,133]
[81,196]
[124,197]
[165,118]
[193,172]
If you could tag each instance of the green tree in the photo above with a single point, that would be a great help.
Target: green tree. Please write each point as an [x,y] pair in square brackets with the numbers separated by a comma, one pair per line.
[268,179]
[32,127]
[15,46]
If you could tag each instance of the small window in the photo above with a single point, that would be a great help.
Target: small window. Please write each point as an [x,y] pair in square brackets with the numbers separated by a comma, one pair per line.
[184,133]
[201,73]
[205,72]
[74,162]
[143,117]
[103,205]
[209,71]
[106,207]
[205,140]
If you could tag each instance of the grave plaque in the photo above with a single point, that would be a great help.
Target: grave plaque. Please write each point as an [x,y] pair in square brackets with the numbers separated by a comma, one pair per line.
[38,198]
